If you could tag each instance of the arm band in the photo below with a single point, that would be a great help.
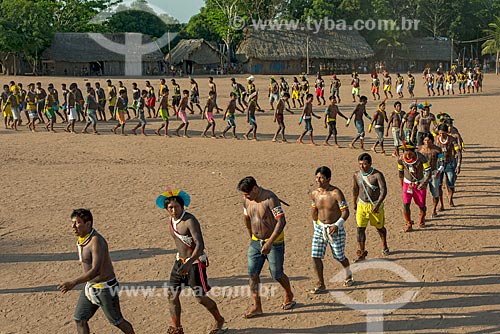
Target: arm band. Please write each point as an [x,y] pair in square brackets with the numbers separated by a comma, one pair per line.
[278,212]
[340,223]
[343,206]
[458,164]
[313,205]
[441,168]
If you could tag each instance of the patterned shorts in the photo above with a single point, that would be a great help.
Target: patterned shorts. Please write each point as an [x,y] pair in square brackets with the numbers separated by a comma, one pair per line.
[337,246]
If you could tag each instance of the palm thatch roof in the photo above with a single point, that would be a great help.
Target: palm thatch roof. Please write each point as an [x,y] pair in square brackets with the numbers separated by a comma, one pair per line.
[282,45]
[80,47]
[427,49]
[198,51]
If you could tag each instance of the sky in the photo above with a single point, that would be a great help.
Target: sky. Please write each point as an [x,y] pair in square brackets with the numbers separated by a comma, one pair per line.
[179,9]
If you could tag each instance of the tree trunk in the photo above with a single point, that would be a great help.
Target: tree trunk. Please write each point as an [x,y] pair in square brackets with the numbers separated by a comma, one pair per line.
[496,63]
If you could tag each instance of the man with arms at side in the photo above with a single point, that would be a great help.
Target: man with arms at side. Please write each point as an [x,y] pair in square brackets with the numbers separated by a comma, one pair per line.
[369,192]
[329,213]
[265,222]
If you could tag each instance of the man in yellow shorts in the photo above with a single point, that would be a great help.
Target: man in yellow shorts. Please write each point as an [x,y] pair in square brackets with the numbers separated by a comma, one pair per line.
[369,191]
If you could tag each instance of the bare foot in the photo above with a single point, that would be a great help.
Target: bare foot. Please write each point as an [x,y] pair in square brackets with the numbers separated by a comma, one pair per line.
[299,141]
[254,312]
[326,143]
[351,146]
[245,136]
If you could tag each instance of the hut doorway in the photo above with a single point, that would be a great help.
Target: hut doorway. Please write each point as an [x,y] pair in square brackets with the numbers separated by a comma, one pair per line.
[96,68]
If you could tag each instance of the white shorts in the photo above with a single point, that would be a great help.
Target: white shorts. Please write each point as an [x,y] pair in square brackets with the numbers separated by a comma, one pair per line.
[449,86]
[470,83]
[72,114]
[15,112]
[399,89]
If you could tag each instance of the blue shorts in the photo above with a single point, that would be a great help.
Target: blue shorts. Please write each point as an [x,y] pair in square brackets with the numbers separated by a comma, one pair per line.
[449,170]
[434,184]
[256,260]
[230,121]
[252,120]
[337,246]
[360,126]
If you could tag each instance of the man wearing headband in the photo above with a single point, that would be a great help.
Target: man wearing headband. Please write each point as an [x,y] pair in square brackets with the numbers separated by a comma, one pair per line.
[369,192]
[101,286]
[265,222]
[414,174]
[191,261]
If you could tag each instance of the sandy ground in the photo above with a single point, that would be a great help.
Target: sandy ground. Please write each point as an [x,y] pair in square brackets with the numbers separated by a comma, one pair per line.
[44,176]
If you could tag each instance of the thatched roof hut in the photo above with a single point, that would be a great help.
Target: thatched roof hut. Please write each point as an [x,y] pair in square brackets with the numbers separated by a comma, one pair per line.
[268,51]
[80,54]
[427,49]
[418,53]
[194,55]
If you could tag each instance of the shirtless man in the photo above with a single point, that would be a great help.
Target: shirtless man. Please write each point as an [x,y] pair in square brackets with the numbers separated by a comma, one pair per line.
[387,82]
[378,121]
[435,156]
[273,94]
[101,285]
[306,116]
[280,118]
[239,91]
[358,113]
[331,120]
[250,111]
[194,95]
[212,87]
[329,213]
[369,192]
[265,222]
[191,261]
[423,123]
[408,123]
[395,121]
[452,161]
[414,175]
[229,115]
[41,95]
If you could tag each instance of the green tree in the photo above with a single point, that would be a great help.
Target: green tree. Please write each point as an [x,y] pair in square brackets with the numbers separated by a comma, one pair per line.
[492,44]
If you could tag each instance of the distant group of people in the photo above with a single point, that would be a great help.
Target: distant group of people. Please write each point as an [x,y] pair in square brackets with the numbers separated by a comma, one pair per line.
[113,102]
[429,156]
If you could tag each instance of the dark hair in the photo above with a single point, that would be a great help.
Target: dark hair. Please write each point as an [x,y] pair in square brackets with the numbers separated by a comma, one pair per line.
[365,157]
[232,94]
[185,92]
[211,78]
[144,92]
[308,96]
[443,127]
[430,137]
[211,93]
[287,95]
[323,170]
[246,184]
[170,199]
[332,98]
[5,86]
[396,103]
[363,99]
[84,214]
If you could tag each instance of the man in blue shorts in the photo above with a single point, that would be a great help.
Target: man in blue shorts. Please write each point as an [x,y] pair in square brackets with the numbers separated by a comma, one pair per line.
[265,222]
